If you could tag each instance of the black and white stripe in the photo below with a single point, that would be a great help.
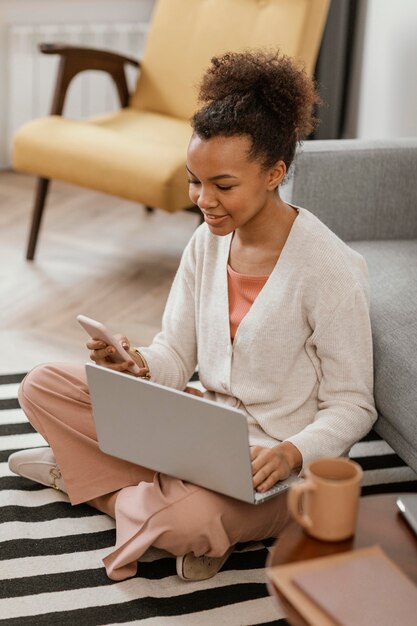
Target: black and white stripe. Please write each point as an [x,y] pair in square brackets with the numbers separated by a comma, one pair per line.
[50,556]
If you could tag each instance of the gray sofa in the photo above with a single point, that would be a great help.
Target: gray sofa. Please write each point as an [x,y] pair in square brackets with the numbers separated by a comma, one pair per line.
[366,192]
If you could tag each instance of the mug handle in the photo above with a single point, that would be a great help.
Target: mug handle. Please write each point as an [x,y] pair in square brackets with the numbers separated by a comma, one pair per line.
[295,495]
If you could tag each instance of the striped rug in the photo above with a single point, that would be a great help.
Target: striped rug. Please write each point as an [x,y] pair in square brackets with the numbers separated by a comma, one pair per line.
[50,553]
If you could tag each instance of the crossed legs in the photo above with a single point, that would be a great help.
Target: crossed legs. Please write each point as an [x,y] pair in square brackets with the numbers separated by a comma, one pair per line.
[149,508]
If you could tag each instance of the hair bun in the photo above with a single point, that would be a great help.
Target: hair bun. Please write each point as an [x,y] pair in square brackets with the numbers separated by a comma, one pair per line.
[260,78]
[263,94]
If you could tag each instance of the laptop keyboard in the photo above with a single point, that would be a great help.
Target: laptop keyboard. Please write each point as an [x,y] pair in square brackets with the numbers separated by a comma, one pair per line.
[281,486]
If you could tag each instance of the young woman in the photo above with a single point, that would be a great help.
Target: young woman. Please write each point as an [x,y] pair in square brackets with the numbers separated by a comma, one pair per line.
[271,305]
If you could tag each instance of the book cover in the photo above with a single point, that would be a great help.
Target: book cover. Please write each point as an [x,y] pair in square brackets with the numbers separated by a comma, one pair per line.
[355,588]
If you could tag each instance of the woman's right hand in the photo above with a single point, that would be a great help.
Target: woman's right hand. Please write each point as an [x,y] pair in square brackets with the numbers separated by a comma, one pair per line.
[102,354]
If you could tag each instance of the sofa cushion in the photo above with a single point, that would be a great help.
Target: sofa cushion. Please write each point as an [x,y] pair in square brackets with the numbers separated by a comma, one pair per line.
[393,281]
[361,189]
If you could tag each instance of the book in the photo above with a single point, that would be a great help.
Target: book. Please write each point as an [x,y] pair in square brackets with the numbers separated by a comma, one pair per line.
[357,588]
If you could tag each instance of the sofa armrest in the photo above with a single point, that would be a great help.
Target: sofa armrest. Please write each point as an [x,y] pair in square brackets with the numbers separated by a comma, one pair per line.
[76,59]
[361,189]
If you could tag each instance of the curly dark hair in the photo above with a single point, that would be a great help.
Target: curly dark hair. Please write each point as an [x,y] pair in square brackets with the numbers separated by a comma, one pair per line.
[264,95]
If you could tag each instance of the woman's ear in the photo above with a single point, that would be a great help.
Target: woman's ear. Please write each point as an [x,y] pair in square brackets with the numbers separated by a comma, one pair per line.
[276,175]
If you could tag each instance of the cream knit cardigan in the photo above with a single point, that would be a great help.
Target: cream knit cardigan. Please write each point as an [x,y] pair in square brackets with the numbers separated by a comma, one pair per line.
[300,365]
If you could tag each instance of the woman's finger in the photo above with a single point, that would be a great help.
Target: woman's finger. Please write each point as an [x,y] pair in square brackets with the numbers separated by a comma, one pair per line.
[123,341]
[263,456]
[255,451]
[120,367]
[263,473]
[141,373]
[194,392]
[102,356]
[273,478]
[95,344]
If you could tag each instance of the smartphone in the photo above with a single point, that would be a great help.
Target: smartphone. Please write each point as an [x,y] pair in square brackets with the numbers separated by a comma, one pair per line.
[408,507]
[96,330]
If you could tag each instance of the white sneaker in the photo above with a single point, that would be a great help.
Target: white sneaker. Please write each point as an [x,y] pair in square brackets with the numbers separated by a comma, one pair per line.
[190,567]
[38,464]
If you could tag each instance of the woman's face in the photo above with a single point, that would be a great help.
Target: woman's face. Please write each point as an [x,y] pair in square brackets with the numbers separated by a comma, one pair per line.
[231,189]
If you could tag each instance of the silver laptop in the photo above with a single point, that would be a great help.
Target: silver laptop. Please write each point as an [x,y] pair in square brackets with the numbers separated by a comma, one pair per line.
[173,432]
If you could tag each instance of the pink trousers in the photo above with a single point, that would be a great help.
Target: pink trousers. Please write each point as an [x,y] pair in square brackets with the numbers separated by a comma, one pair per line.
[151,508]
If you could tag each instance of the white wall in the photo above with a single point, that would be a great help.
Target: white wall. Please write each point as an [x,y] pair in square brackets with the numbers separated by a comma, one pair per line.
[387,86]
[31,21]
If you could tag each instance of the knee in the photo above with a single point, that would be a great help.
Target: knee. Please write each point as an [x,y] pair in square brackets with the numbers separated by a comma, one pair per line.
[35,384]
[53,380]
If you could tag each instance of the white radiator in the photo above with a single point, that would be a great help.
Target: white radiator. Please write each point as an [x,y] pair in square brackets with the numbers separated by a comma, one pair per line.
[31,75]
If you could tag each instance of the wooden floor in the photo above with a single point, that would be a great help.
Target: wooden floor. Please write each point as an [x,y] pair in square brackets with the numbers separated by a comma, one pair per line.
[97,255]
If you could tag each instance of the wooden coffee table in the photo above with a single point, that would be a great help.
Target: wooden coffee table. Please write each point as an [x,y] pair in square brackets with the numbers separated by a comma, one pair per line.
[379,522]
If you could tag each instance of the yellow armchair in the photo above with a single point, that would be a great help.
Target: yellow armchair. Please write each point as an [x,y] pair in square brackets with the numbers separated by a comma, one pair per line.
[138,152]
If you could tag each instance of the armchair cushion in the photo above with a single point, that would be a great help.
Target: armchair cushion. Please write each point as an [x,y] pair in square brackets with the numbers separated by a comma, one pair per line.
[132,154]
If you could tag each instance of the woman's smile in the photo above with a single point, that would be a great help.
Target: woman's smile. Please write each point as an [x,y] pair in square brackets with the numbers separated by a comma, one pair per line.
[214,220]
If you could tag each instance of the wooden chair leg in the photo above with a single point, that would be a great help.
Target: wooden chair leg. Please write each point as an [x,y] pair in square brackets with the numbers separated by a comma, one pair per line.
[40,197]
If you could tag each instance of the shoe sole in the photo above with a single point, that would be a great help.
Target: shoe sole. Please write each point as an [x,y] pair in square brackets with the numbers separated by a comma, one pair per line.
[180,561]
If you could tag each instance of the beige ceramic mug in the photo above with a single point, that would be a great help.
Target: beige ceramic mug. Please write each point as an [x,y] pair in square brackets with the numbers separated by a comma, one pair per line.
[326,502]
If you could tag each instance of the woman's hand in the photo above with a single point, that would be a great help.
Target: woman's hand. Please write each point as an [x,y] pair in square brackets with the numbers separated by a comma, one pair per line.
[102,354]
[194,392]
[269,465]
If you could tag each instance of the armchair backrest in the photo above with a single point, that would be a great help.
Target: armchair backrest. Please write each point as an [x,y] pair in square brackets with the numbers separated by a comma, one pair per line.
[185,34]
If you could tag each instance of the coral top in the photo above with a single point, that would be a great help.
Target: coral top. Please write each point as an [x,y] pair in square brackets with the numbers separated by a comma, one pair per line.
[242,290]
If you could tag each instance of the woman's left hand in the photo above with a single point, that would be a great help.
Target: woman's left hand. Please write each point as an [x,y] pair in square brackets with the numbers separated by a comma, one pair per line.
[194,392]
[269,465]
